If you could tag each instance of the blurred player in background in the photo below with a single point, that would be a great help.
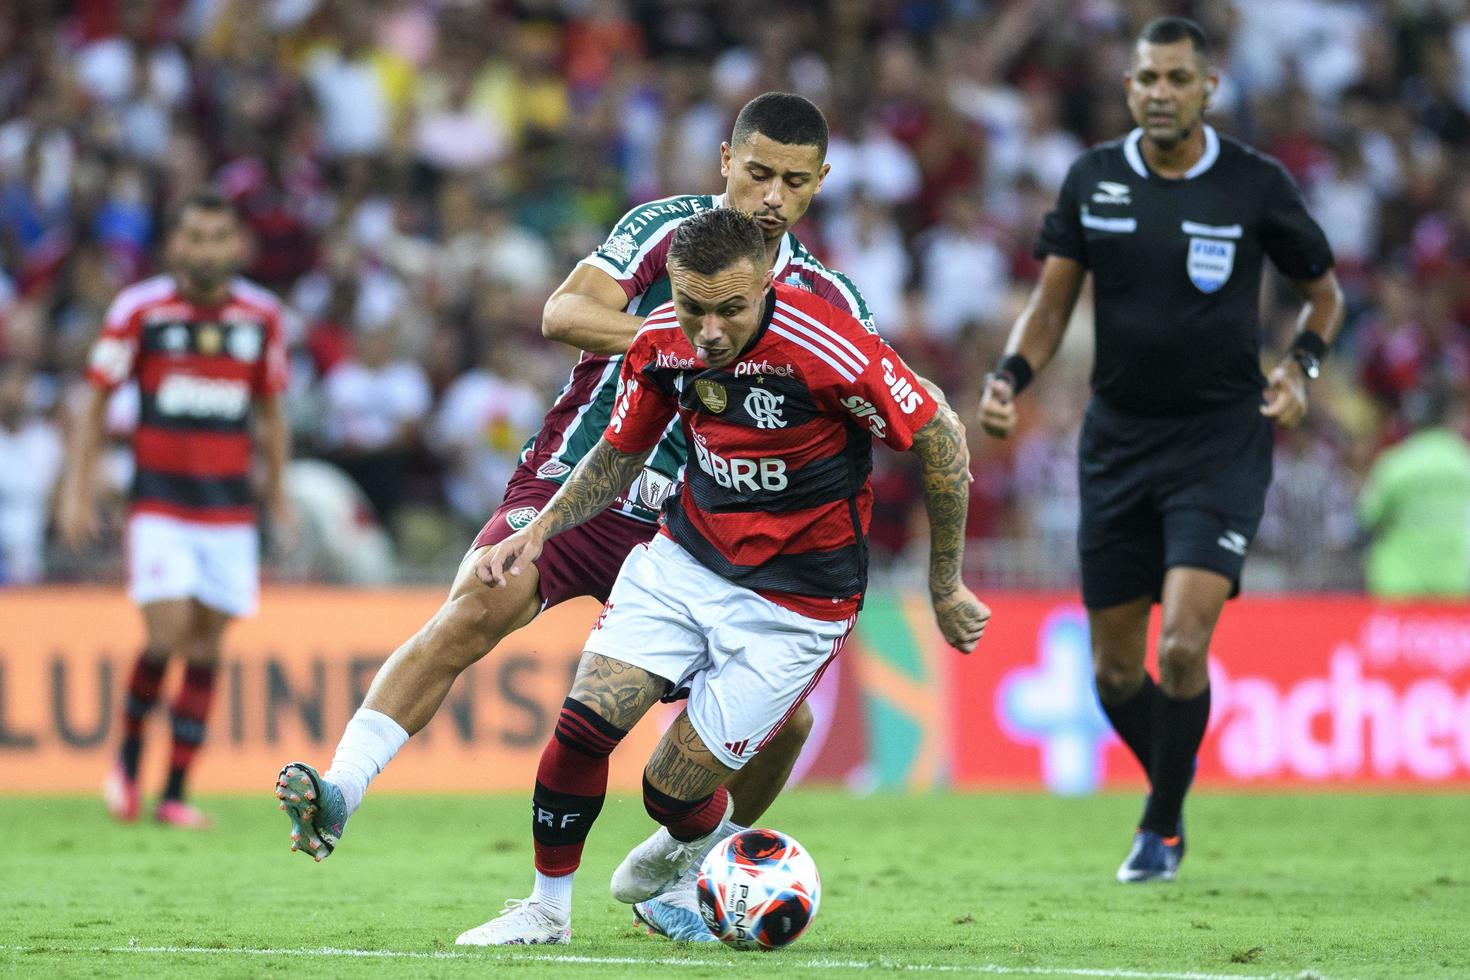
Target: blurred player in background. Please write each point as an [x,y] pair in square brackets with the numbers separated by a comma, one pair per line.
[754,581]
[206,350]
[773,165]
[1173,222]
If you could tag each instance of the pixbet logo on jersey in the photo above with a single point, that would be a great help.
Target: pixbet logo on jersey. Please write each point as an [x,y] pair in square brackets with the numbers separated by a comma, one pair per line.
[741,474]
[763,367]
[675,362]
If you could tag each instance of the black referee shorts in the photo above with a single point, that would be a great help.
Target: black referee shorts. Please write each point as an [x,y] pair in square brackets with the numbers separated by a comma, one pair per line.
[1158,493]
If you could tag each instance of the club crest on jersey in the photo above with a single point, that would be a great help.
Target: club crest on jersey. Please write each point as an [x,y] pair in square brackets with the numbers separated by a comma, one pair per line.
[207,338]
[553,469]
[1210,263]
[764,409]
[620,247]
[174,339]
[520,517]
[244,342]
[713,394]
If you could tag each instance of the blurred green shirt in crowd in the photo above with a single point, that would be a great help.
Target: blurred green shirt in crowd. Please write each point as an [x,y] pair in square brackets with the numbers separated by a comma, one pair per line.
[1417,504]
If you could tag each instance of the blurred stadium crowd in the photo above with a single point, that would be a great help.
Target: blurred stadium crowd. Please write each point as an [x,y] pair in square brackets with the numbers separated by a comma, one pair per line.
[418,175]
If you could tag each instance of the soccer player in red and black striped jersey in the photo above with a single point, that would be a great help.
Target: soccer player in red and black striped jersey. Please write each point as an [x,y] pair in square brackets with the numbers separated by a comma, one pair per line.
[206,351]
[773,165]
[756,576]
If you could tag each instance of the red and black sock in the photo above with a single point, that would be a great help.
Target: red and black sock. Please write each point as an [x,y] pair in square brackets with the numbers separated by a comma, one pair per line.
[1133,720]
[142,695]
[686,820]
[190,709]
[571,784]
[1179,728]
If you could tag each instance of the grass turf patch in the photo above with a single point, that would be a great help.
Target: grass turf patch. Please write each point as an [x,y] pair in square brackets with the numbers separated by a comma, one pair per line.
[1288,885]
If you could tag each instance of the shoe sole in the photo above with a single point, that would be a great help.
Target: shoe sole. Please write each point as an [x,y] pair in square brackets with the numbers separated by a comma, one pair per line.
[298,790]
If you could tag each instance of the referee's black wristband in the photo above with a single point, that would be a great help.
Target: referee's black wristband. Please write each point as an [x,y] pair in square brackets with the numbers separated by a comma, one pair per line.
[1015,369]
[1310,342]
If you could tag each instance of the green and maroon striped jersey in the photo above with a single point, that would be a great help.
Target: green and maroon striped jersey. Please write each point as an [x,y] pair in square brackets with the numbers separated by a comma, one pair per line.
[636,255]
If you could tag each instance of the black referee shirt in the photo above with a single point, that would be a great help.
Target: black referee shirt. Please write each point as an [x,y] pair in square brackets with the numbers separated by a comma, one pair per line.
[1176,267]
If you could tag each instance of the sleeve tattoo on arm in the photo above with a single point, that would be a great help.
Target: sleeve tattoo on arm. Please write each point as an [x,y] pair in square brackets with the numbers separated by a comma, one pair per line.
[944,459]
[596,482]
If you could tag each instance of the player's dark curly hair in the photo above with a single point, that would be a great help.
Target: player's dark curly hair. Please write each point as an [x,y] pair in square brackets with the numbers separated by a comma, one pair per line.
[1170,30]
[783,118]
[712,241]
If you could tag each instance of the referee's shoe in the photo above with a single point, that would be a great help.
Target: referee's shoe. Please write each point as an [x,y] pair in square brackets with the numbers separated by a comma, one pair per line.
[1154,857]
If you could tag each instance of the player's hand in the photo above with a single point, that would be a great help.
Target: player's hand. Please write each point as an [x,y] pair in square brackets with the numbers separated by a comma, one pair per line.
[510,557]
[997,407]
[962,618]
[1286,394]
[76,518]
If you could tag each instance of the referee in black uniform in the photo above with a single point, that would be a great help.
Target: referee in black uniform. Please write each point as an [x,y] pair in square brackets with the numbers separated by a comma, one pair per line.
[1172,221]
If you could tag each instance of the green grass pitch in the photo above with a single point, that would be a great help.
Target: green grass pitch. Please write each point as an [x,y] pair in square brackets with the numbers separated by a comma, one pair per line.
[1312,885]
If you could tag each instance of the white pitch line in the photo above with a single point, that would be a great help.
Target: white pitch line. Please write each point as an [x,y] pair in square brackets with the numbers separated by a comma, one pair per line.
[985,969]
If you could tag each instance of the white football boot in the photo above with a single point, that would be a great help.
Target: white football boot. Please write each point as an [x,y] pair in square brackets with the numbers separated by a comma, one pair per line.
[525,922]
[651,867]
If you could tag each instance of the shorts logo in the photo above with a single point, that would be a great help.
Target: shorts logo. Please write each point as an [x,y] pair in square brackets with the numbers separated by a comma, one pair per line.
[620,248]
[1233,542]
[553,469]
[712,393]
[764,409]
[737,749]
[520,517]
[1210,263]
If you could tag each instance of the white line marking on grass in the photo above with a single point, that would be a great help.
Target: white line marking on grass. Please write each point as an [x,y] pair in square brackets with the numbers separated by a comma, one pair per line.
[525,955]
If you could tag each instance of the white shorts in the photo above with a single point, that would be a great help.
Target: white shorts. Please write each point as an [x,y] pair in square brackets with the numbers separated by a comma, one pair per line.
[218,564]
[748,663]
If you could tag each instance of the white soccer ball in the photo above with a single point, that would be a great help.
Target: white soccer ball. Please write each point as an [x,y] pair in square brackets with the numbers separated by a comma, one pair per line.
[758,889]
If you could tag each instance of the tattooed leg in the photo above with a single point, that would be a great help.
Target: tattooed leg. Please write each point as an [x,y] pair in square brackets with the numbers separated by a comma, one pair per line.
[682,767]
[617,692]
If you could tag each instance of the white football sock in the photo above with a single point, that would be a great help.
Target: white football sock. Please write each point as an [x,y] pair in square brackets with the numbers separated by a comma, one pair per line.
[370,742]
[554,894]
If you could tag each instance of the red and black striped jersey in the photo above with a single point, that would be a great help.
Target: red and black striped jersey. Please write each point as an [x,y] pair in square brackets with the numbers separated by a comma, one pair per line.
[198,368]
[776,495]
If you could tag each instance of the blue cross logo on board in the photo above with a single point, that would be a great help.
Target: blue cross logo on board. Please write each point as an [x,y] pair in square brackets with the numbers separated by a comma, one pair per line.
[1052,704]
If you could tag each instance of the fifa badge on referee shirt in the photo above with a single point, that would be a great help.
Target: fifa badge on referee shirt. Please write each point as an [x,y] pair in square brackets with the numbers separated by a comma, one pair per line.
[712,393]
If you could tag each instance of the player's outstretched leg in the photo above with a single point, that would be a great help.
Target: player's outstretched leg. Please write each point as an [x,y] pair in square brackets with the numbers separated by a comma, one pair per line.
[683,789]
[404,696]
[675,913]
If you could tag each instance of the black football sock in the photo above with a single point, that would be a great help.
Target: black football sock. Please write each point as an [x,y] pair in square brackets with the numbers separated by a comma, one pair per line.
[1179,728]
[1133,720]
